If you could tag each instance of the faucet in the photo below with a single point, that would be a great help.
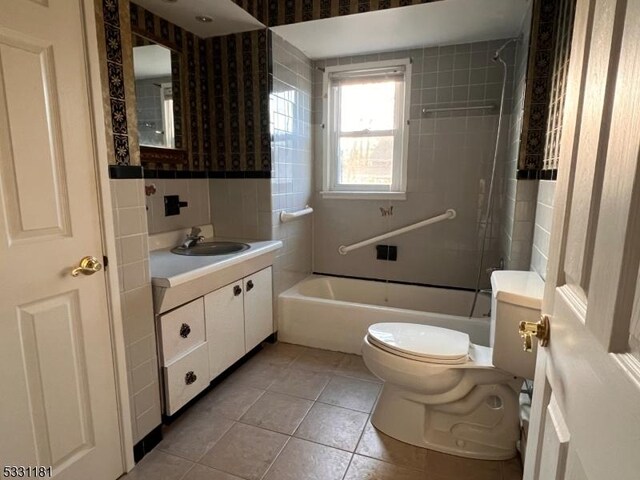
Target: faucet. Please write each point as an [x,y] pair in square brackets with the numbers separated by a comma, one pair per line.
[192,238]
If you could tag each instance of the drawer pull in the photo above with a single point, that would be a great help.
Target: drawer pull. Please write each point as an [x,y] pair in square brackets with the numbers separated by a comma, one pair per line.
[237,290]
[190,377]
[185,330]
[249,285]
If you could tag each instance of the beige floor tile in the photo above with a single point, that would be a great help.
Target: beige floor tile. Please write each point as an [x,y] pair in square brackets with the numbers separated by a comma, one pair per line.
[228,399]
[301,383]
[195,432]
[351,393]
[280,354]
[378,445]
[365,468]
[278,412]
[302,460]
[441,465]
[200,472]
[315,360]
[245,451]
[333,426]
[353,366]
[157,465]
[512,469]
[256,373]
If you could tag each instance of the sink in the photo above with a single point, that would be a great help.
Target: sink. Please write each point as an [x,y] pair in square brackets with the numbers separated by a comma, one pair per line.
[211,248]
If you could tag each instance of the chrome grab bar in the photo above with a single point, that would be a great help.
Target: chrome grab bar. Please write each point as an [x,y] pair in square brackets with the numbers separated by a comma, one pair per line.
[448,215]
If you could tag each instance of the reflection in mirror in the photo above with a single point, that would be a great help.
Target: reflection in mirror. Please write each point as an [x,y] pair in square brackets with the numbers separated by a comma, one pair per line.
[154,83]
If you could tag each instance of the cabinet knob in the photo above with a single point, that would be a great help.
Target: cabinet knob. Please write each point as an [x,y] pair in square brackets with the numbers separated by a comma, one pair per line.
[190,377]
[237,290]
[185,330]
[249,285]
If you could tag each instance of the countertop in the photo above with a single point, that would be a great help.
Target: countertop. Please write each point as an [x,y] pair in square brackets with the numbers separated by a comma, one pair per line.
[170,270]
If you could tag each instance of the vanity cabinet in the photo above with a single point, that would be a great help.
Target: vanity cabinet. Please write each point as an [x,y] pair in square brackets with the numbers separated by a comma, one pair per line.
[238,317]
[201,339]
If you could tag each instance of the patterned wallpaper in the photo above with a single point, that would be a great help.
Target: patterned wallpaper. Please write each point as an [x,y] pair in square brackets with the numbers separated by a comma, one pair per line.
[118,94]
[225,104]
[550,47]
[281,12]
[562,41]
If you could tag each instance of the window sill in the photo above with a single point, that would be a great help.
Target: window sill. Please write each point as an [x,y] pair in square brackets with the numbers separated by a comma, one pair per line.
[363,195]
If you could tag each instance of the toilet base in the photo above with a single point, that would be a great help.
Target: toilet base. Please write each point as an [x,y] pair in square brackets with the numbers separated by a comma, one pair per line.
[484,424]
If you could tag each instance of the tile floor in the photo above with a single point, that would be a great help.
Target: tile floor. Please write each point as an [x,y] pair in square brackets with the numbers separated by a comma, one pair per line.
[297,413]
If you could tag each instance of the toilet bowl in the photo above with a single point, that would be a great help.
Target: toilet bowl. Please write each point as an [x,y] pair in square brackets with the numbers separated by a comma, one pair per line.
[444,393]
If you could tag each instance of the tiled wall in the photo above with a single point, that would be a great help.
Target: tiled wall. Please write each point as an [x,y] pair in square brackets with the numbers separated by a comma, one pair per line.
[137,306]
[281,12]
[542,229]
[241,208]
[450,158]
[194,191]
[291,175]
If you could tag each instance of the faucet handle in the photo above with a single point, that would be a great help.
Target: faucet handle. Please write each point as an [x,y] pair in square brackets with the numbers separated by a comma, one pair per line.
[195,232]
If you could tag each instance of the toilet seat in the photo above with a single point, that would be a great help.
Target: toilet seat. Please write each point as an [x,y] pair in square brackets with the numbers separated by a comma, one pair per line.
[423,343]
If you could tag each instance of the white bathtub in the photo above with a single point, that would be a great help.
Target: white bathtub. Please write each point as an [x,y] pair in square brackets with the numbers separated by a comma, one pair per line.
[334,313]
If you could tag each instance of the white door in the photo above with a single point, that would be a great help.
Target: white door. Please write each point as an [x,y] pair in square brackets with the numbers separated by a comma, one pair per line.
[224,317]
[258,307]
[585,421]
[57,385]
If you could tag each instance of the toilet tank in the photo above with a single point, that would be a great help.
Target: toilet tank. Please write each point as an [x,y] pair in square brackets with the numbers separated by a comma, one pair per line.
[516,296]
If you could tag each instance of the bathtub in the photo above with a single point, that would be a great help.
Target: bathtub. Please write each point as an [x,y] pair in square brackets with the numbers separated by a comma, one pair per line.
[334,313]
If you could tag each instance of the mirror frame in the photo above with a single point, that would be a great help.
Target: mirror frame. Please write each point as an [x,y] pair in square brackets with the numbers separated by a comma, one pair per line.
[155,155]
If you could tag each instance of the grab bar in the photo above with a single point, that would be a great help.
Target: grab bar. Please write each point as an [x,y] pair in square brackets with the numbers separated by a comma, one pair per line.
[289,216]
[448,215]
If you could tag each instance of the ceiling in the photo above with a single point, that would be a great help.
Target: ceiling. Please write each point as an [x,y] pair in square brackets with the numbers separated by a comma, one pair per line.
[227,16]
[446,22]
[151,61]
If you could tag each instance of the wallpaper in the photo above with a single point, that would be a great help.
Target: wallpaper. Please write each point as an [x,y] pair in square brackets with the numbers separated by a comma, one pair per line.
[281,12]
[544,101]
[224,109]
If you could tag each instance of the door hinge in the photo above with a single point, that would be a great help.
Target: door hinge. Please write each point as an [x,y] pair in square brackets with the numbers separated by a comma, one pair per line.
[105,261]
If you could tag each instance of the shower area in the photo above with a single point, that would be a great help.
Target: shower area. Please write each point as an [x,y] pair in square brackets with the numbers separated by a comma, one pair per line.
[464,126]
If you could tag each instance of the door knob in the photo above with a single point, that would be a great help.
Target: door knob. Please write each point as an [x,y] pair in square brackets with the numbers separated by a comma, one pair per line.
[540,330]
[88,266]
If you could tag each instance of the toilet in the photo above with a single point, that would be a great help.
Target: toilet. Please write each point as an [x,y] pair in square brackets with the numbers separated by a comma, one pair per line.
[445,393]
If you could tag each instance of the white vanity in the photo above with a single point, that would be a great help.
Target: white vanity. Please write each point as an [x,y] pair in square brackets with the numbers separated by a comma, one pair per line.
[210,311]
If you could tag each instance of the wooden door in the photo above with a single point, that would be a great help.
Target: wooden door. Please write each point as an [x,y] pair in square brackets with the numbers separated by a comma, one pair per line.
[585,421]
[224,317]
[58,402]
[258,307]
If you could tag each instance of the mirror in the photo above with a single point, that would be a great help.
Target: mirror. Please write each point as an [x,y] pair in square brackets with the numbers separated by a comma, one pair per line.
[157,71]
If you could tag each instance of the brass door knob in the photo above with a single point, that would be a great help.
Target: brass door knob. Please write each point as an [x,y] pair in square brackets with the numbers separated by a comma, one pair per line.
[88,266]
[540,330]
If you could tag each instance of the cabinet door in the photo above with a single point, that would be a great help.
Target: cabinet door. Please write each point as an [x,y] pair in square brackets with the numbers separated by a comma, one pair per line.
[224,316]
[258,307]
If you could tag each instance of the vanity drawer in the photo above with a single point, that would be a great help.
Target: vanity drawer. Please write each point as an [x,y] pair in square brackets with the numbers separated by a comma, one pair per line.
[181,330]
[186,378]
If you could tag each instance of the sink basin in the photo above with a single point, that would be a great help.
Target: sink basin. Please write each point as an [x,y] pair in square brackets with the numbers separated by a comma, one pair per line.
[211,248]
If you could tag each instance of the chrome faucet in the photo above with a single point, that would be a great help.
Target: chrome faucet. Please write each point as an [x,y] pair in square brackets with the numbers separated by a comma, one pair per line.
[192,238]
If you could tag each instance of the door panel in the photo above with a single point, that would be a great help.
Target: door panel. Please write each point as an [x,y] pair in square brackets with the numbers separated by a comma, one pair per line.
[258,308]
[58,393]
[32,158]
[224,314]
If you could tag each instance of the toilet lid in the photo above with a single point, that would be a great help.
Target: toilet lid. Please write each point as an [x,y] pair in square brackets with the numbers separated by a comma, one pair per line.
[425,342]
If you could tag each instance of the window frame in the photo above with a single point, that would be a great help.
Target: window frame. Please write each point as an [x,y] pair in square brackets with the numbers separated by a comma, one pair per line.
[330,187]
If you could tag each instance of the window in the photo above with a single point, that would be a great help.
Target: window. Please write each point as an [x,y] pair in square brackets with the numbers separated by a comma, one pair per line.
[367,110]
